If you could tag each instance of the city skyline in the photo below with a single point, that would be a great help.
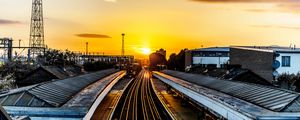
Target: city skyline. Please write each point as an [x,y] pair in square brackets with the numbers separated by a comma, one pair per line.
[150,25]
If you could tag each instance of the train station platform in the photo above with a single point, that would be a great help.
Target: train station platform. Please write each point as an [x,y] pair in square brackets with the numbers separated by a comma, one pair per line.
[235,100]
[69,98]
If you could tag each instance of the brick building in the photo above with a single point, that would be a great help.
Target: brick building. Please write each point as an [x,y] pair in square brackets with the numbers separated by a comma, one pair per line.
[266,61]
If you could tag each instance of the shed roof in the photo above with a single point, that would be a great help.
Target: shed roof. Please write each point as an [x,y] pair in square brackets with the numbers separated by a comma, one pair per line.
[56,71]
[51,94]
[279,49]
[213,49]
[275,99]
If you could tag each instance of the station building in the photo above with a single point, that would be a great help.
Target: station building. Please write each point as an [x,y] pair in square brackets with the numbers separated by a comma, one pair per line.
[107,58]
[204,57]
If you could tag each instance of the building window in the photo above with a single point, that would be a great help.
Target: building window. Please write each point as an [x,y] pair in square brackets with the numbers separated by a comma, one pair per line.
[286,61]
[210,54]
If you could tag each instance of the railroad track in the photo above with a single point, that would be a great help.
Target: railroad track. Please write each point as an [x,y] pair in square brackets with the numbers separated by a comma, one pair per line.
[140,101]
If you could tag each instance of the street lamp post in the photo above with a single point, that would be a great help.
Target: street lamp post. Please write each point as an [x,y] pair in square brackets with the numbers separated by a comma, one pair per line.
[87,48]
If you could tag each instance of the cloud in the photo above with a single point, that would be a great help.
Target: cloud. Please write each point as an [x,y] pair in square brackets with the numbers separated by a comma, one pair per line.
[85,35]
[289,27]
[290,6]
[113,1]
[256,10]
[293,7]
[245,1]
[4,21]
[262,26]
[277,26]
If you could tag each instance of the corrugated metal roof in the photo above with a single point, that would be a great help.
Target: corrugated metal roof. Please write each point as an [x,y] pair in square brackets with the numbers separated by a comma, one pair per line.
[215,49]
[56,71]
[294,106]
[269,48]
[272,98]
[22,99]
[53,93]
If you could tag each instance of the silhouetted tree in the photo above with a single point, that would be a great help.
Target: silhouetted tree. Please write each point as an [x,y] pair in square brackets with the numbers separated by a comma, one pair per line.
[172,62]
[96,66]
[290,81]
[11,71]
[180,60]
[177,62]
[57,58]
[16,68]
[155,60]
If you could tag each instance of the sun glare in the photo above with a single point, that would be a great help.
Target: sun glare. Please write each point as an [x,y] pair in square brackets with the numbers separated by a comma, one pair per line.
[146,51]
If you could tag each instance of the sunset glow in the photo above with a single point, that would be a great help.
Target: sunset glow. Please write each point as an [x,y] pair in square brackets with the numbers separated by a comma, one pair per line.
[146,51]
[169,24]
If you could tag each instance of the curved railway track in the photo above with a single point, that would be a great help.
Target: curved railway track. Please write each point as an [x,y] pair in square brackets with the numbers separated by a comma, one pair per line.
[139,102]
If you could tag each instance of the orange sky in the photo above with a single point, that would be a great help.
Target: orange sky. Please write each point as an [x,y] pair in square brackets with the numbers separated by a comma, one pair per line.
[154,24]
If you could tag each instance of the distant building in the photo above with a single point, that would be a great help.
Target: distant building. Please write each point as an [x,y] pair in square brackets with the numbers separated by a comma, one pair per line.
[108,58]
[143,62]
[267,61]
[6,44]
[162,52]
[204,57]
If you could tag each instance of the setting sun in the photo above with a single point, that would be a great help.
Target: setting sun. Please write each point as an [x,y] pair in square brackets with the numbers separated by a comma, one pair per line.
[146,51]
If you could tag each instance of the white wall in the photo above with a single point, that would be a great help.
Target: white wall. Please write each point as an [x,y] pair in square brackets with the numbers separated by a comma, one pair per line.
[210,60]
[295,63]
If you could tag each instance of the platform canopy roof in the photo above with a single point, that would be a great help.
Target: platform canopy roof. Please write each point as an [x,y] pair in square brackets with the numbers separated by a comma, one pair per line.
[53,93]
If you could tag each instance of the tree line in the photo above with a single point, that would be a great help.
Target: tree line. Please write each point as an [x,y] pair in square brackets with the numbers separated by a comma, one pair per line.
[175,61]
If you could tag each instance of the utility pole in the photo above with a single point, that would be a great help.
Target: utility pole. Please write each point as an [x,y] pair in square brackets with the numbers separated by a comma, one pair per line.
[87,48]
[123,47]
[122,60]
[36,39]
[19,43]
